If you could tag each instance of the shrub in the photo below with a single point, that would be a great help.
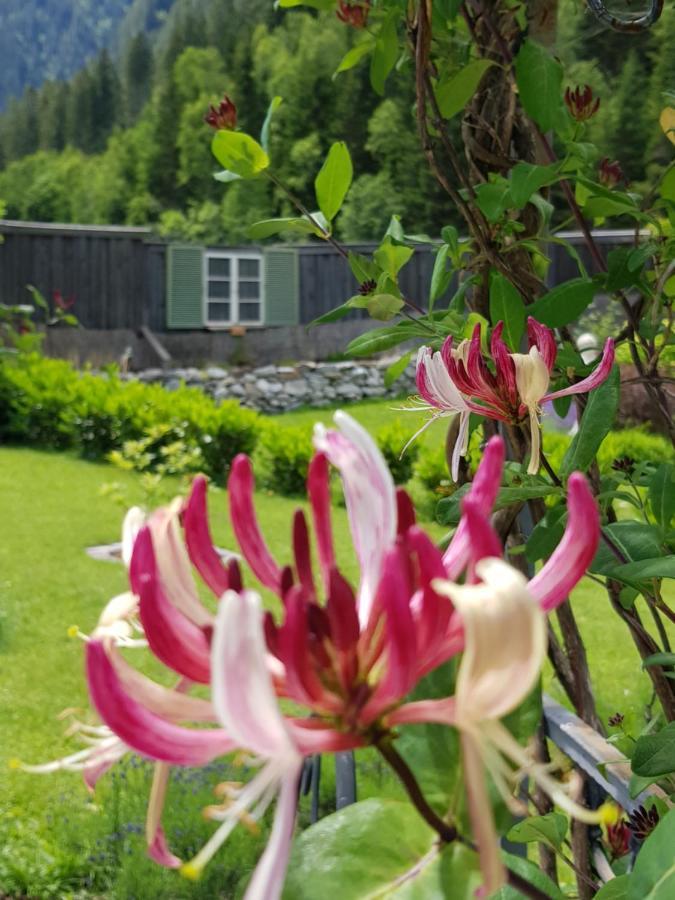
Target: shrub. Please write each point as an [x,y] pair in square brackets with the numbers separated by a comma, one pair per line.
[39,393]
[222,432]
[281,458]
[391,439]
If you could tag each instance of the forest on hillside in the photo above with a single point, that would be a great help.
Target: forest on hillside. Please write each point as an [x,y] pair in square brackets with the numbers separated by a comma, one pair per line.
[123,141]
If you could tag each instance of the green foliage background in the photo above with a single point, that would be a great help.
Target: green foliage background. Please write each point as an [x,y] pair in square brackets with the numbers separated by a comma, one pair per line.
[123,141]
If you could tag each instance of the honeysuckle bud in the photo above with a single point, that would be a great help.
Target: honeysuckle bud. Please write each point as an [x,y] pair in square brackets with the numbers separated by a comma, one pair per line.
[643,821]
[610,172]
[581,103]
[367,287]
[353,14]
[223,117]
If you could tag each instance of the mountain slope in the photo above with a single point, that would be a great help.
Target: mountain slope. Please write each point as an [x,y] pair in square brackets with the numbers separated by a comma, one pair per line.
[52,39]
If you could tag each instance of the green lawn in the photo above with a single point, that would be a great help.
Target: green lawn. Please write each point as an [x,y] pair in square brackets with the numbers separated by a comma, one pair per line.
[51,833]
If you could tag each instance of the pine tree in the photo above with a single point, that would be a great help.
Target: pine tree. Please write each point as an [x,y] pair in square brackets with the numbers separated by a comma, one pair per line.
[137,76]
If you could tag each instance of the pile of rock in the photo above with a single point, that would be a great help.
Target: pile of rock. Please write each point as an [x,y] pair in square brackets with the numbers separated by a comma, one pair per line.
[275,389]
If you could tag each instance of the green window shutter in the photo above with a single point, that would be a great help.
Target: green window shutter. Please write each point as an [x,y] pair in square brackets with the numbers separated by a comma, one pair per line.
[184,299]
[281,287]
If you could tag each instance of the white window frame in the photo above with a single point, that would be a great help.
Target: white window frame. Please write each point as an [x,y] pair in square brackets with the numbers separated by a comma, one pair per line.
[234,300]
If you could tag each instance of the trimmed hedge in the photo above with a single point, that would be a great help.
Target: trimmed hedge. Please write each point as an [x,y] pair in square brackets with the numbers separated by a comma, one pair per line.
[49,404]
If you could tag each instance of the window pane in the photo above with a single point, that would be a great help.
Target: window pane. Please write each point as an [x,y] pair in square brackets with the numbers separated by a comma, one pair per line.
[219,289]
[249,312]
[249,268]
[219,267]
[219,312]
[249,290]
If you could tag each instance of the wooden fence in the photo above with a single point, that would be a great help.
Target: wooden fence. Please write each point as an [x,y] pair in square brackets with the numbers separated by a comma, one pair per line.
[118,275]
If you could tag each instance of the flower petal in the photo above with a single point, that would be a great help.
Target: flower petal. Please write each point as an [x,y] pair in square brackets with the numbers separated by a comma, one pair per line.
[268,878]
[133,522]
[173,638]
[165,702]
[240,486]
[370,495]
[318,489]
[484,490]
[542,338]
[173,564]
[142,730]
[569,561]
[504,642]
[242,690]
[594,380]
[198,541]
[158,849]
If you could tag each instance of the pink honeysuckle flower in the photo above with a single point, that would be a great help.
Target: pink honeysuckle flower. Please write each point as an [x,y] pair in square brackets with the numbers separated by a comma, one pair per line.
[459,380]
[347,655]
[494,677]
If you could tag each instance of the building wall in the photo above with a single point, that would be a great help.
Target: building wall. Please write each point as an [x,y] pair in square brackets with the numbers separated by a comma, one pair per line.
[258,346]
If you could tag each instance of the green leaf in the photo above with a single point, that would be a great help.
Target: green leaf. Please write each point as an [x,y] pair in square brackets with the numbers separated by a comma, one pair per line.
[448,510]
[667,187]
[392,257]
[493,198]
[432,751]
[453,95]
[378,848]
[440,277]
[662,494]
[530,872]
[659,659]
[549,829]
[324,5]
[546,534]
[396,369]
[619,271]
[334,180]
[363,269]
[526,179]
[354,56]
[653,877]
[635,540]
[660,567]
[395,230]
[654,754]
[332,315]
[268,227]
[616,889]
[385,53]
[506,305]
[239,153]
[38,297]
[539,79]
[265,130]
[595,425]
[380,339]
[564,303]
[383,306]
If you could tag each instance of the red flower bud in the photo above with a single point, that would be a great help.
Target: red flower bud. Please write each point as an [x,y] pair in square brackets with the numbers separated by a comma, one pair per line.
[354,14]
[60,301]
[580,102]
[610,172]
[618,838]
[224,117]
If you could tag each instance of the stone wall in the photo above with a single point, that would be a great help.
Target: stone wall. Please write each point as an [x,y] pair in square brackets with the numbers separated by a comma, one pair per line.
[276,389]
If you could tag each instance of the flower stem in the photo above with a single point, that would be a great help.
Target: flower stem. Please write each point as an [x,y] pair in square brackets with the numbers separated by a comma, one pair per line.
[446,832]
